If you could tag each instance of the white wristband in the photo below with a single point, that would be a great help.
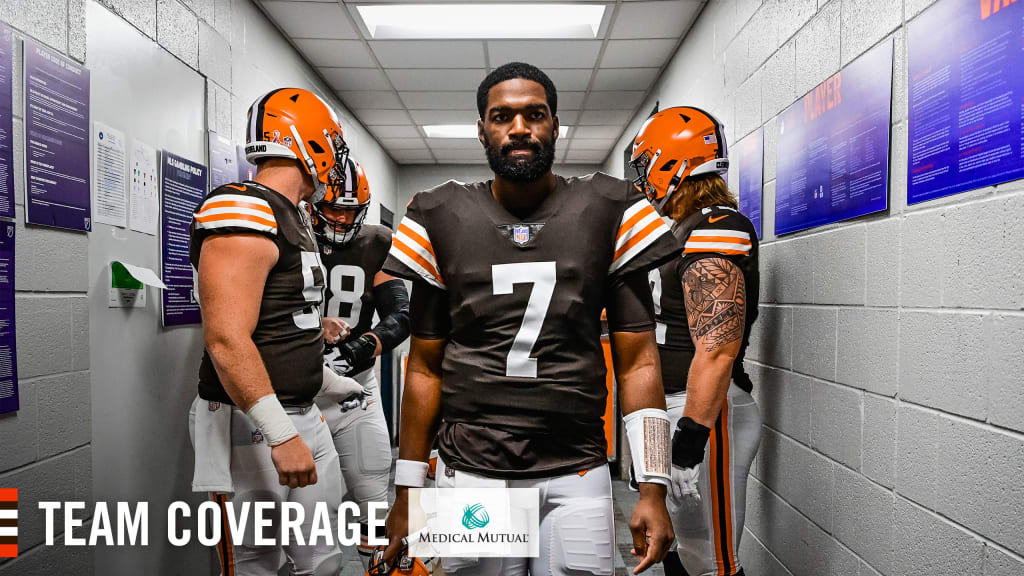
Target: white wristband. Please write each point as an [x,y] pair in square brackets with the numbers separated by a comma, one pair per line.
[269,416]
[411,473]
[651,444]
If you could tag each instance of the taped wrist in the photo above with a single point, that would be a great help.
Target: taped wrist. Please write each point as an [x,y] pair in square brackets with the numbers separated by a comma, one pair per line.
[411,473]
[358,351]
[269,416]
[392,303]
[688,443]
[648,433]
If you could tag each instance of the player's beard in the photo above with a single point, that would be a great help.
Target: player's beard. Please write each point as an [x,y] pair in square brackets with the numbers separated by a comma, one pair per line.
[520,169]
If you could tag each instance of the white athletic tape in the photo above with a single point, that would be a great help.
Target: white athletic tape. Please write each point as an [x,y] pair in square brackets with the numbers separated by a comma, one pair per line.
[411,473]
[269,416]
[651,445]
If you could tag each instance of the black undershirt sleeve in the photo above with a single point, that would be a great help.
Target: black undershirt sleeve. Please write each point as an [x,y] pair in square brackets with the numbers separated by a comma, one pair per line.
[630,304]
[428,312]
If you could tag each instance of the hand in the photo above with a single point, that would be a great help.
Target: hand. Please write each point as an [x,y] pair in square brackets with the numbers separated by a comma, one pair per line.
[357,400]
[650,526]
[397,525]
[684,483]
[335,330]
[337,388]
[294,463]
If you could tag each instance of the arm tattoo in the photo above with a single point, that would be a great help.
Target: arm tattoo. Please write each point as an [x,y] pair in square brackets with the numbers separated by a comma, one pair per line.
[716,300]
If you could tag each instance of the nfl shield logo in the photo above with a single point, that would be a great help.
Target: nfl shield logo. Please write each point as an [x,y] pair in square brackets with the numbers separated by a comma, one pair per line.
[257,437]
[521,234]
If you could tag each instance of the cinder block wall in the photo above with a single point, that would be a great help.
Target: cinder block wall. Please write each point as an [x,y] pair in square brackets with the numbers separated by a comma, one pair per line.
[889,351]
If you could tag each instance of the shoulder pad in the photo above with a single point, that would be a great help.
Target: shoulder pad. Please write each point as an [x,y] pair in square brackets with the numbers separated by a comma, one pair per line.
[236,208]
[607,186]
[721,230]
[438,195]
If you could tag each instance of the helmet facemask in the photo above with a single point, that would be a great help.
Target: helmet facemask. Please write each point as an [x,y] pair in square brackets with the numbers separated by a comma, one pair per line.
[339,233]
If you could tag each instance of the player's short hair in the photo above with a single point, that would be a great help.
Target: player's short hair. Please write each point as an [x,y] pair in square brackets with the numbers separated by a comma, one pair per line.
[511,71]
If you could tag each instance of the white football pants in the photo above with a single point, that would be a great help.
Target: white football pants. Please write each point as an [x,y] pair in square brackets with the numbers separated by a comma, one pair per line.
[577,525]
[708,529]
[364,453]
[256,480]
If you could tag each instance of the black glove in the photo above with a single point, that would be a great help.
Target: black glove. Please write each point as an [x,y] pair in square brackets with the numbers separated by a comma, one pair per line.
[688,443]
[357,351]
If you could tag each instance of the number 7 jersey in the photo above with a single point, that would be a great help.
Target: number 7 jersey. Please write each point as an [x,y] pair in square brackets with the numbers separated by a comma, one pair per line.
[523,370]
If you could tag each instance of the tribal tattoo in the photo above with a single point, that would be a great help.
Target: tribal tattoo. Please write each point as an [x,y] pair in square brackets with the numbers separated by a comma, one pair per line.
[716,300]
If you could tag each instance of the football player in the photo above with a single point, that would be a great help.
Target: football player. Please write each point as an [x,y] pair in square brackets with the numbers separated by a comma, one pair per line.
[706,302]
[353,254]
[257,432]
[506,365]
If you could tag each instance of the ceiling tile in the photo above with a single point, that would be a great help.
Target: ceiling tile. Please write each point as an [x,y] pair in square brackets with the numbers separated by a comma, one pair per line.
[406,131]
[436,79]
[423,117]
[570,78]
[570,100]
[383,117]
[595,117]
[604,144]
[371,100]
[418,154]
[597,131]
[459,157]
[568,117]
[614,100]
[560,154]
[341,53]
[311,19]
[429,53]
[464,144]
[355,78]
[624,78]
[586,155]
[402,143]
[627,53]
[439,100]
[545,53]
[654,19]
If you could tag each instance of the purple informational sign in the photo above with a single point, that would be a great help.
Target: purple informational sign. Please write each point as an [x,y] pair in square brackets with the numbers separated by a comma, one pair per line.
[8,353]
[182,188]
[245,170]
[56,140]
[833,147]
[6,122]
[223,161]
[966,97]
[749,154]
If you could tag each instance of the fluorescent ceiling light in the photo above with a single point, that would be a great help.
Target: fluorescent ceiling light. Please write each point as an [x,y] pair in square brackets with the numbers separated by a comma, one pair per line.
[482,20]
[466,131]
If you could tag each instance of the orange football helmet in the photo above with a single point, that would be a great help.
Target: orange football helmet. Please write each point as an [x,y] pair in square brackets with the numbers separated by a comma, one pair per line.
[406,565]
[354,196]
[296,123]
[673,145]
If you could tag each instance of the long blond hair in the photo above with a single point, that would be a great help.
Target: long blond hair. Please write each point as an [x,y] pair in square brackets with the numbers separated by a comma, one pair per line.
[699,192]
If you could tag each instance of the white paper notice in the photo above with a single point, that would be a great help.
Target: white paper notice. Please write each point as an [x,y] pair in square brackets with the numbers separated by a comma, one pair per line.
[110,204]
[145,201]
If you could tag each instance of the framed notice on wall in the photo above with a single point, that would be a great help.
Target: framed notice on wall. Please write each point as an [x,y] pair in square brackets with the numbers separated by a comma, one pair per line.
[182,187]
[9,399]
[749,156]
[6,122]
[966,97]
[833,147]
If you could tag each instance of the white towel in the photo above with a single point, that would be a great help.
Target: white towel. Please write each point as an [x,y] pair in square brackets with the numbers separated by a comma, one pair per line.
[210,424]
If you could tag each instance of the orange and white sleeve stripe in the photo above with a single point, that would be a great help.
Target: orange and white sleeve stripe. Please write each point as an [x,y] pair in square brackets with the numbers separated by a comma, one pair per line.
[641,226]
[236,211]
[729,242]
[411,246]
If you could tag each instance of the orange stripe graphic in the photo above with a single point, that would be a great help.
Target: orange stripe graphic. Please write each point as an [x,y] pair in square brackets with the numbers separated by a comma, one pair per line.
[715,500]
[247,217]
[716,250]
[236,204]
[8,550]
[638,238]
[728,239]
[398,243]
[9,494]
[418,239]
[727,480]
[226,548]
[633,220]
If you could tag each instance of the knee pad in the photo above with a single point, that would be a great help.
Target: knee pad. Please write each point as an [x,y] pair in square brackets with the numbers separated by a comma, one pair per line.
[581,539]
[375,452]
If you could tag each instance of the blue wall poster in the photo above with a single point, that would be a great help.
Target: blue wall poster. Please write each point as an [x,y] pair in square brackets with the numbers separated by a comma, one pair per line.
[965,97]
[56,140]
[749,156]
[8,353]
[6,122]
[833,147]
[182,188]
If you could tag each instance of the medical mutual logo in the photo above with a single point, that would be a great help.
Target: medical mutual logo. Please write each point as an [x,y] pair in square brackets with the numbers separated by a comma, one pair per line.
[8,522]
[474,522]
[474,516]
